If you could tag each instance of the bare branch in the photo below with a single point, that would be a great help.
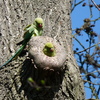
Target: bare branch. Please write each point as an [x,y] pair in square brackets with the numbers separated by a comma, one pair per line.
[95,5]
[87,48]
[76,5]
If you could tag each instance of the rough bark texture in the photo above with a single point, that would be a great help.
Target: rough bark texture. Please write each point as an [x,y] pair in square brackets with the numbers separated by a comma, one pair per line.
[60,85]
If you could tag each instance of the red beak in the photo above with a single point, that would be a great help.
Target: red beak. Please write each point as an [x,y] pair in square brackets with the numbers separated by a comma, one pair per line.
[52,49]
[40,25]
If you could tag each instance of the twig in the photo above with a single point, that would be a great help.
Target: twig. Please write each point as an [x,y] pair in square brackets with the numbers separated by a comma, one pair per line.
[95,19]
[91,15]
[90,73]
[95,5]
[87,48]
[91,82]
[79,43]
[76,5]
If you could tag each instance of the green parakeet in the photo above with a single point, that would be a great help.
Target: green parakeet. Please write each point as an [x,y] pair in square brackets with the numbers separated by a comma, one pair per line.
[49,49]
[35,29]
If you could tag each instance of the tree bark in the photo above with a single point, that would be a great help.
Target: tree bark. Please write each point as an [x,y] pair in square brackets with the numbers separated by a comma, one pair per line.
[65,84]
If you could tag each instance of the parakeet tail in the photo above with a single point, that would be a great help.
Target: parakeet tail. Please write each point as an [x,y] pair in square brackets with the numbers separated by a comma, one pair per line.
[15,55]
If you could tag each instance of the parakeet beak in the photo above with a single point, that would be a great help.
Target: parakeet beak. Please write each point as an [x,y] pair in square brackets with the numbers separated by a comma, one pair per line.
[51,49]
[40,25]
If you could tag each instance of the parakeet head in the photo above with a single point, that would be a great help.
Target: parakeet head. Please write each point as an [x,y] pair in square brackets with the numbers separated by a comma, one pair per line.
[50,46]
[39,22]
[49,49]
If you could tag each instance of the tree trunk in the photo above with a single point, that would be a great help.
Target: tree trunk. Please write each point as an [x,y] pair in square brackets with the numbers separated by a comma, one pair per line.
[65,84]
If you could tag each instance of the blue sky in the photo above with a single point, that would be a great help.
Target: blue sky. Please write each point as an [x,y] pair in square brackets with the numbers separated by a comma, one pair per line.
[78,15]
